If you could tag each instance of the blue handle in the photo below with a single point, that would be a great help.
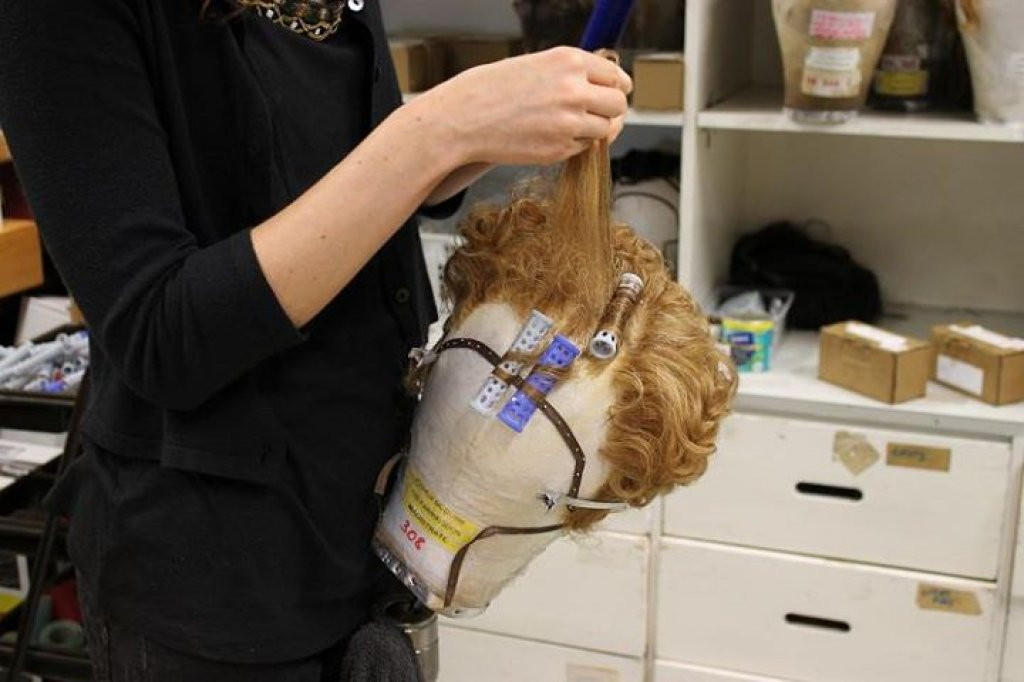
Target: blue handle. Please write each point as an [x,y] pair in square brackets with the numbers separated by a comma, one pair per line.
[606,24]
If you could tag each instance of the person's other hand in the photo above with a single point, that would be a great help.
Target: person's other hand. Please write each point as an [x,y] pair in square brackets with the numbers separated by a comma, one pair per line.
[535,109]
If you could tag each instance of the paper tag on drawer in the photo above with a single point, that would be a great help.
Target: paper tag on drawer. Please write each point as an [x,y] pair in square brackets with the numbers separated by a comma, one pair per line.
[587,673]
[934,598]
[854,452]
[917,456]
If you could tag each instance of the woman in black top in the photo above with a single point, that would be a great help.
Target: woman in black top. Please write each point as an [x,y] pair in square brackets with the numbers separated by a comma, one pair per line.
[229,193]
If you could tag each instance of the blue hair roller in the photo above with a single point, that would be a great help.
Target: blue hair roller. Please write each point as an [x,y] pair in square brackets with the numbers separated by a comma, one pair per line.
[520,408]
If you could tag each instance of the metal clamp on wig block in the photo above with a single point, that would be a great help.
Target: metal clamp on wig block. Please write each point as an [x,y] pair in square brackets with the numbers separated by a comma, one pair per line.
[553,499]
[558,357]
[527,341]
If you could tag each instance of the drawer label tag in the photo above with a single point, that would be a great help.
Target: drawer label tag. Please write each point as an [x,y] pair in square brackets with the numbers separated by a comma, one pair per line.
[854,452]
[588,673]
[918,456]
[934,598]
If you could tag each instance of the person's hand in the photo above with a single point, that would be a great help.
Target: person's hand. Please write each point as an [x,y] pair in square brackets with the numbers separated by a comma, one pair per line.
[536,109]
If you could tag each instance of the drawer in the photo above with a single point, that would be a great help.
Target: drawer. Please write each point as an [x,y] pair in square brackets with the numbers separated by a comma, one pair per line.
[818,620]
[588,592]
[1013,658]
[676,672]
[1017,584]
[783,484]
[468,656]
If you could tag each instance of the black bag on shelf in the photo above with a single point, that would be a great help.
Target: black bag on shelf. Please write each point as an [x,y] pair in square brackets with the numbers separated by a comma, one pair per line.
[829,286]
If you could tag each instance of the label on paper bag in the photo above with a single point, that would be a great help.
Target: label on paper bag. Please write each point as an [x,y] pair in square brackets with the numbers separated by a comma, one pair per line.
[833,58]
[918,456]
[903,63]
[826,83]
[957,373]
[934,598]
[902,83]
[901,75]
[828,25]
[587,673]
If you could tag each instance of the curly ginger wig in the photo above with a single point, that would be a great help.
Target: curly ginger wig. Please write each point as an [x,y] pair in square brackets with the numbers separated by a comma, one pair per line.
[555,249]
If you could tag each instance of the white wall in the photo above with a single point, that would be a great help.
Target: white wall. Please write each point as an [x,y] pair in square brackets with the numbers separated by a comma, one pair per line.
[476,16]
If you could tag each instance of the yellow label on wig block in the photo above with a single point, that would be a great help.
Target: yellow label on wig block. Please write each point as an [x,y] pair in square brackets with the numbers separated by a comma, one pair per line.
[434,518]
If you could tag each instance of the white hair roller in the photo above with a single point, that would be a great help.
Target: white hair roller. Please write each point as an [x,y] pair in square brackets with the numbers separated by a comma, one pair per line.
[527,341]
[605,343]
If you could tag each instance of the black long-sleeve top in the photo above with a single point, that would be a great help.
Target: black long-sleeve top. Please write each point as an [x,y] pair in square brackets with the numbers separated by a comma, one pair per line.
[224,504]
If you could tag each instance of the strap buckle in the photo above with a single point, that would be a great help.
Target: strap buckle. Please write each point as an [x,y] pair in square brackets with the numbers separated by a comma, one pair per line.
[553,499]
[422,357]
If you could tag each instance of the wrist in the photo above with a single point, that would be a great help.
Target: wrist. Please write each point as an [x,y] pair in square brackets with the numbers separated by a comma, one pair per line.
[430,115]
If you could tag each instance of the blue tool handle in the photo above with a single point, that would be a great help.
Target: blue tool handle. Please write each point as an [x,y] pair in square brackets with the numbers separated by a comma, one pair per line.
[606,24]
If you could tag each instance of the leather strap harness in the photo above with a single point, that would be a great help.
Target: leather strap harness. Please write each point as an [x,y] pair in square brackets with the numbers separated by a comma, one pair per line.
[543,405]
[560,425]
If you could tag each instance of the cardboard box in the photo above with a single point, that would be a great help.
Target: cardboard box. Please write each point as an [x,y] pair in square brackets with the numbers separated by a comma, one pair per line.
[21,257]
[41,314]
[658,81]
[979,362]
[464,53]
[874,362]
[75,313]
[437,55]
[410,57]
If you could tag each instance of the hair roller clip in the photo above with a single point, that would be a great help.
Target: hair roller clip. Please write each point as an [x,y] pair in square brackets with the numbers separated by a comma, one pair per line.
[605,343]
[558,357]
[527,341]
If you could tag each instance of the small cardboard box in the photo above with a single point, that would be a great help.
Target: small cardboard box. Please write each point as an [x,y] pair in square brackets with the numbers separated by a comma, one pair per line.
[436,46]
[979,362]
[874,362]
[40,315]
[75,313]
[658,80]
[465,52]
[411,59]
[21,257]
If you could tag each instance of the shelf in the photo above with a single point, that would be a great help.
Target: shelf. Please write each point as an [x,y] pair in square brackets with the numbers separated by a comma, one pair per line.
[655,119]
[760,109]
[642,118]
[792,386]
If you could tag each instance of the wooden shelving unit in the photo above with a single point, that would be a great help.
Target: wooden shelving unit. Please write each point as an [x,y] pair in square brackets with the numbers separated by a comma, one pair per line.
[931,203]
[759,108]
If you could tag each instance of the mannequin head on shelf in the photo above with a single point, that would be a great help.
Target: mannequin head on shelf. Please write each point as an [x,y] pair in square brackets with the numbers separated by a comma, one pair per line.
[644,411]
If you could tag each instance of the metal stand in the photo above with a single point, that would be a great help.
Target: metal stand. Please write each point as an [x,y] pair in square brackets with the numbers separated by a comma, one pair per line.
[419,624]
[44,554]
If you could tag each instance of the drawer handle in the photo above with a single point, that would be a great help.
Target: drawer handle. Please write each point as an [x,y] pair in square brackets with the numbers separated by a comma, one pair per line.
[836,491]
[815,622]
